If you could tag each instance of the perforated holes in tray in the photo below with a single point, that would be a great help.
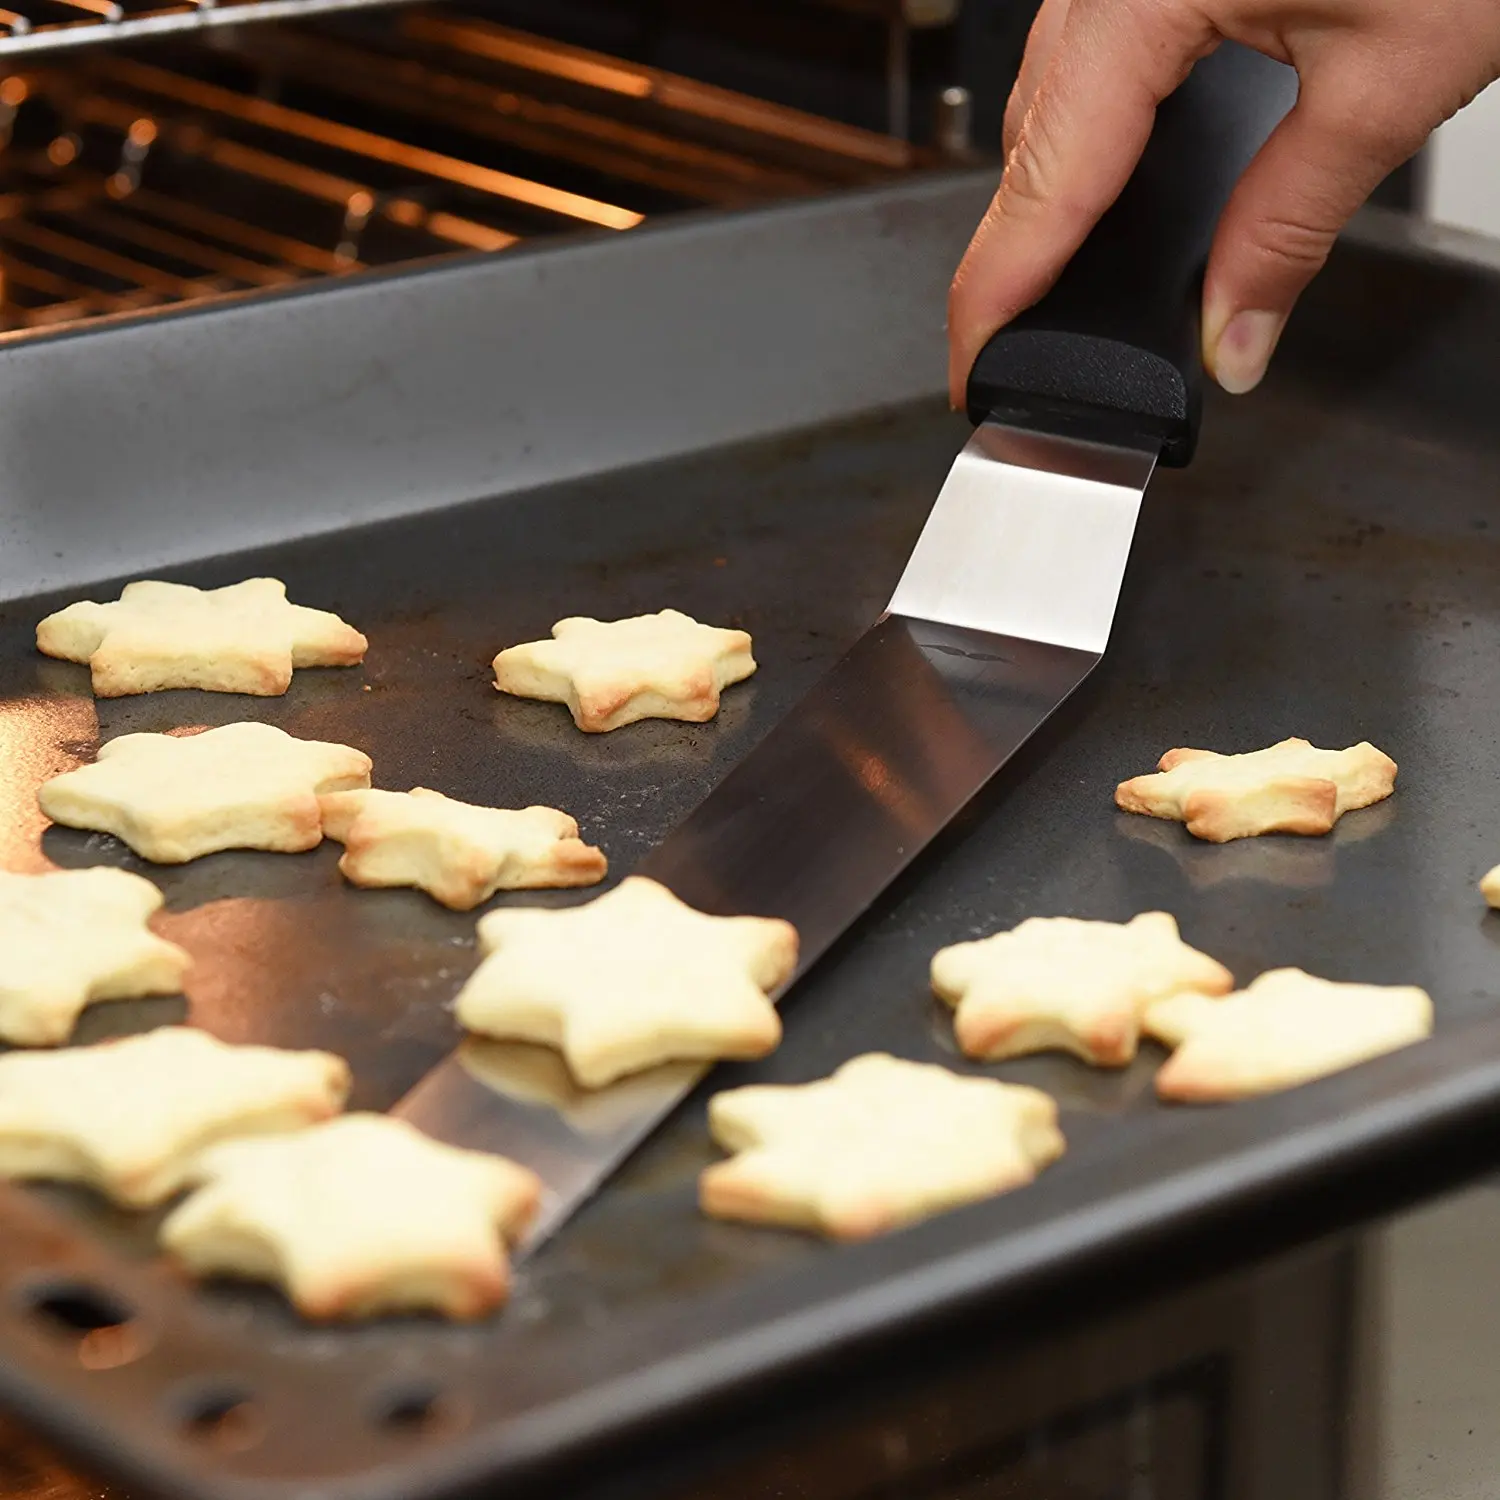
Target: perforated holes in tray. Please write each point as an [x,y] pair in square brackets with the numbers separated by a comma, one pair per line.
[222,1415]
[102,1326]
[420,1410]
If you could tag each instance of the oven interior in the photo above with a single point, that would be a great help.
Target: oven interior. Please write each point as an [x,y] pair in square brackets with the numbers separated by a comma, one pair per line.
[154,157]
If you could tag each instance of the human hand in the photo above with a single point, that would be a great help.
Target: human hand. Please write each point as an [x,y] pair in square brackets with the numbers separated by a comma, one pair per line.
[1376,77]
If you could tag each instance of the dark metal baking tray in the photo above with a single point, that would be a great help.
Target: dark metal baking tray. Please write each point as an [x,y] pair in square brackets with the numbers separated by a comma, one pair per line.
[1329,567]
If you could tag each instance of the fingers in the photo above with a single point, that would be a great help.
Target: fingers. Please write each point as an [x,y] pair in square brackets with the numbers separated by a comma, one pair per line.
[1041,43]
[1112,63]
[1320,164]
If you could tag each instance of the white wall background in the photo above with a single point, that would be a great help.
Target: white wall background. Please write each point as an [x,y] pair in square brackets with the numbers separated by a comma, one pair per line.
[1425,1426]
[1462,168]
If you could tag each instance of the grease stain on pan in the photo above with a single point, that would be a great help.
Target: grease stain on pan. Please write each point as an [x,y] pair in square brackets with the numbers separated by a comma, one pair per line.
[40,737]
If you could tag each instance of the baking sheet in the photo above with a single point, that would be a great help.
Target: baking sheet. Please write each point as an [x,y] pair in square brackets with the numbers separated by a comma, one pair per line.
[1328,568]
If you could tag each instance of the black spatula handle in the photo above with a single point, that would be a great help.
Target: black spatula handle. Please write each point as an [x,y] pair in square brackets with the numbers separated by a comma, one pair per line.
[1112,351]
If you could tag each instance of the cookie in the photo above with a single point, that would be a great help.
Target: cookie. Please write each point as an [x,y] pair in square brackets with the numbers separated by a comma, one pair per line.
[629,980]
[127,1117]
[1058,983]
[662,666]
[175,797]
[879,1144]
[242,639]
[1293,787]
[359,1216]
[1489,887]
[458,853]
[73,937]
[1285,1029]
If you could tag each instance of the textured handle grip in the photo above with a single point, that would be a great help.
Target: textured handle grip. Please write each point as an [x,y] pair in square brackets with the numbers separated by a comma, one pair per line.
[1112,351]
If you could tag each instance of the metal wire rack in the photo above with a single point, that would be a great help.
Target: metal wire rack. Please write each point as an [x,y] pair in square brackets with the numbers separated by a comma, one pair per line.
[51,25]
[133,177]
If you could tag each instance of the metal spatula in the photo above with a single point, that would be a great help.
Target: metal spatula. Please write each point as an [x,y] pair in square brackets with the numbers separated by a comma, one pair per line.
[1004,608]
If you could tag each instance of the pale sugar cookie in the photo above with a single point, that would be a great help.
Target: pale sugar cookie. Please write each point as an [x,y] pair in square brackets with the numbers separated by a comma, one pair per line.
[879,1144]
[1285,1029]
[458,853]
[628,980]
[175,797]
[73,937]
[1063,983]
[359,1216]
[245,638]
[1293,787]
[128,1116]
[609,673]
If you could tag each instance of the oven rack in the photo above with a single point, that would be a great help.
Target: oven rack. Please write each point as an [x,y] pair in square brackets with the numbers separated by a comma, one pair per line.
[131,179]
[54,25]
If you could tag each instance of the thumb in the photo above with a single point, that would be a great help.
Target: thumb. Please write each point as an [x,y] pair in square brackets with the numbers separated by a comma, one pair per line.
[1324,159]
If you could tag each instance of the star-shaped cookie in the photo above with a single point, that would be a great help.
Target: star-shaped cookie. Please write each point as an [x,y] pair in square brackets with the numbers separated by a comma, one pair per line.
[128,1116]
[879,1144]
[360,1216]
[1285,1029]
[242,639]
[609,673]
[631,979]
[175,797]
[458,853]
[1063,983]
[1292,787]
[72,937]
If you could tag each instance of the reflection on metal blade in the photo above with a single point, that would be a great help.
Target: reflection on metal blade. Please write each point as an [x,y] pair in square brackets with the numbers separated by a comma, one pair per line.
[1029,537]
[832,805]
[521,1101]
[845,791]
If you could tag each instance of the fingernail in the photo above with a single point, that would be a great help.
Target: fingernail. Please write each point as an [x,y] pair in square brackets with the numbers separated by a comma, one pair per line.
[1244,350]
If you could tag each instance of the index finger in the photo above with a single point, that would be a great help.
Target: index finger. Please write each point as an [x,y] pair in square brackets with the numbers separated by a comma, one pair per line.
[1081,137]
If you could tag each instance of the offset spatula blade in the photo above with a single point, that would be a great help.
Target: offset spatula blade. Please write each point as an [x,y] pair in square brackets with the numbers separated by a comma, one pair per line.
[1005,607]
[865,771]
[868,768]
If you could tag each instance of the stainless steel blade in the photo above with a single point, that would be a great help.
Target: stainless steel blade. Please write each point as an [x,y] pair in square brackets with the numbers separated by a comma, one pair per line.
[1029,537]
[1004,608]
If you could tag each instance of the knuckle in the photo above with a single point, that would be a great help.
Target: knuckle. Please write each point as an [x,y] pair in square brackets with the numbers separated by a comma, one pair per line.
[1025,182]
[1289,240]
[1031,179]
[1036,184]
